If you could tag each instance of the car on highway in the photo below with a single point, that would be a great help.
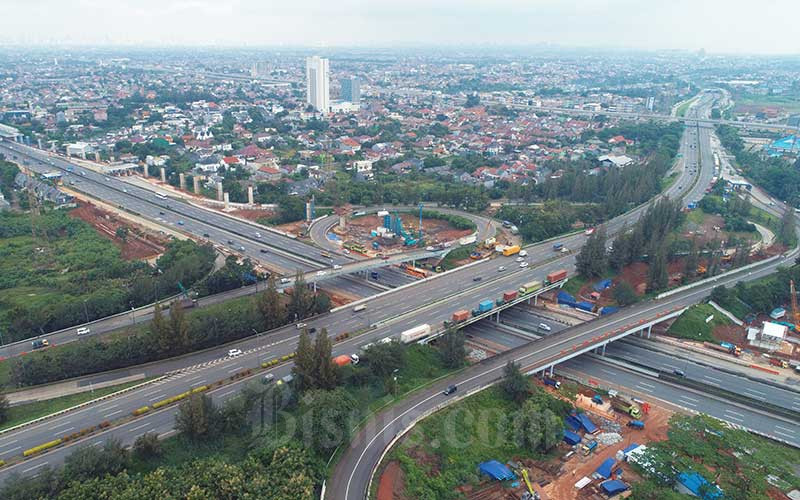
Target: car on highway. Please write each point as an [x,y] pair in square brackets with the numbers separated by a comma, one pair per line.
[160,213]
[285,280]
[501,269]
[230,242]
[520,259]
[321,273]
[301,326]
[346,251]
[258,235]
[241,248]
[232,353]
[206,235]
[450,390]
[40,343]
[523,253]
[678,372]
[263,250]
[108,180]
[524,264]
[477,278]
[544,327]
[83,330]
[337,266]
[268,378]
[180,222]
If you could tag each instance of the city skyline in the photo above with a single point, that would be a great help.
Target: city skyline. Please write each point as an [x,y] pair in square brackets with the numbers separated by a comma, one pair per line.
[716,26]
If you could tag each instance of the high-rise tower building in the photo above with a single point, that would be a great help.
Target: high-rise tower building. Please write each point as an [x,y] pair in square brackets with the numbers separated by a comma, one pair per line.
[351,89]
[317,84]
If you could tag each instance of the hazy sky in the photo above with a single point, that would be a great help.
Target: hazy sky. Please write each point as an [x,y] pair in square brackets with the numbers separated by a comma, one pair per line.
[766,26]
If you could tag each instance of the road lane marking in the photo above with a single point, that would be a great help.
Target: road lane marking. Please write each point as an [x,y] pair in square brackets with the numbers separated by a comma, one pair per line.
[60,425]
[141,426]
[34,467]
[734,412]
[608,371]
[113,413]
[790,436]
[646,384]
[715,379]
[785,429]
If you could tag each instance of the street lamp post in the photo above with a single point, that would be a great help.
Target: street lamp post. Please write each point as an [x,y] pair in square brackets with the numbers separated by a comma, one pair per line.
[85,311]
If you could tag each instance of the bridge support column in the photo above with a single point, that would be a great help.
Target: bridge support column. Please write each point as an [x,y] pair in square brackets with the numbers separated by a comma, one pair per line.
[551,370]
[163,175]
[182,181]
[497,319]
[649,329]
[196,184]
[604,350]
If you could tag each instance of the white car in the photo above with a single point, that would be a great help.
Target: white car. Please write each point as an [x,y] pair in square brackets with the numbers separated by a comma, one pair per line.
[258,235]
[337,266]
[232,353]
[501,269]
[523,253]
[285,280]
[83,330]
[544,327]
[524,264]
[346,251]
[301,326]
[321,273]
[520,259]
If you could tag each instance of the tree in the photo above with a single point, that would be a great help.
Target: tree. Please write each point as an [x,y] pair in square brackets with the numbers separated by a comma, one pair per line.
[624,294]
[4,406]
[196,417]
[303,368]
[325,374]
[384,358]
[122,233]
[552,429]
[270,306]
[327,419]
[159,330]
[90,461]
[147,446]
[592,261]
[515,385]
[473,100]
[451,348]
[786,233]
[657,278]
[527,427]
[302,300]
[178,328]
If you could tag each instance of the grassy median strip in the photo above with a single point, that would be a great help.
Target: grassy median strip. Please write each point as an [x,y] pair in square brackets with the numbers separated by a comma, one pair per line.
[30,411]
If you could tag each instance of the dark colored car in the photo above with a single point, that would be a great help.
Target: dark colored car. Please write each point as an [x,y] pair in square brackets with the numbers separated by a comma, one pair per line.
[450,390]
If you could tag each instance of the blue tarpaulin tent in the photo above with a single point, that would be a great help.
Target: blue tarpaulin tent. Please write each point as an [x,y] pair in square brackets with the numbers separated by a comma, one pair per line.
[613,486]
[496,470]
[585,306]
[604,470]
[693,482]
[601,285]
[571,438]
[608,310]
[574,422]
[587,424]
[630,448]
[566,298]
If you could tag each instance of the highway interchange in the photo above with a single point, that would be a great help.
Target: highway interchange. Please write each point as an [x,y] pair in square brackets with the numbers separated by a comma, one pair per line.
[389,313]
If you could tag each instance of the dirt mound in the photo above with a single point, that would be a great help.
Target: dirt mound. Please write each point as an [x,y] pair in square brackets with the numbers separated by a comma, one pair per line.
[392,483]
[138,244]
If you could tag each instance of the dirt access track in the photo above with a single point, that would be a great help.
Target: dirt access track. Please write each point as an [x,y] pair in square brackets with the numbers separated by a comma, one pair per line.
[139,244]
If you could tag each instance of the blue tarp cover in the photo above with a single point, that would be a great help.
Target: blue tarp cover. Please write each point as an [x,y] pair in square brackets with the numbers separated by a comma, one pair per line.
[630,448]
[587,423]
[609,310]
[586,306]
[605,468]
[565,298]
[602,285]
[693,481]
[496,470]
[571,438]
[613,486]
[574,422]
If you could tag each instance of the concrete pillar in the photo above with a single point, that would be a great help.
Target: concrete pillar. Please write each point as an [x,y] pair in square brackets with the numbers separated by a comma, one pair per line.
[342,222]
[219,191]
[604,349]
[182,181]
[227,200]
[163,175]
[40,143]
[551,370]
[196,182]
[83,154]
[250,197]
[649,330]
[145,171]
[97,157]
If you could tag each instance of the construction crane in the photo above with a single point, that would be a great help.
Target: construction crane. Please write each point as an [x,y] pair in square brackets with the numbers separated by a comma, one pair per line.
[795,311]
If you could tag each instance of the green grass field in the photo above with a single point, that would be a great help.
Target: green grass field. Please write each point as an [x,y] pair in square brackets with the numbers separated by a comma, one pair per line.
[790,104]
[681,111]
[692,323]
[31,411]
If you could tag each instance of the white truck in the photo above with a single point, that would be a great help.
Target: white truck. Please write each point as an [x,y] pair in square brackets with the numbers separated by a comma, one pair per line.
[416,333]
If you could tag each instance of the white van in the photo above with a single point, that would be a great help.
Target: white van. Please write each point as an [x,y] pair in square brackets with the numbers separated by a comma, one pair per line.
[359,307]
[83,330]
[545,327]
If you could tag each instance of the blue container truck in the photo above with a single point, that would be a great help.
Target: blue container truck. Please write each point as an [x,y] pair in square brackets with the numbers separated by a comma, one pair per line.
[485,305]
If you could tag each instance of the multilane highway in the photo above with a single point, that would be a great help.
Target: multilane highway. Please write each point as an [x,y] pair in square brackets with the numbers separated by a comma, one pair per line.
[430,301]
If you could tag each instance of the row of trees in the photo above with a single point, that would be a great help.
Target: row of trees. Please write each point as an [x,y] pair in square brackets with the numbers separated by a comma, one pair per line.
[179,333]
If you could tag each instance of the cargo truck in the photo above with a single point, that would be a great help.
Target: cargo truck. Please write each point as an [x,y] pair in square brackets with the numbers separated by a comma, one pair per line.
[626,405]
[724,347]
[460,316]
[588,448]
[530,287]
[558,246]
[416,333]
[556,276]
[344,359]
[512,250]
[780,363]
[485,306]
[183,303]
[552,382]
[636,424]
